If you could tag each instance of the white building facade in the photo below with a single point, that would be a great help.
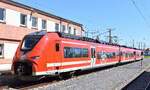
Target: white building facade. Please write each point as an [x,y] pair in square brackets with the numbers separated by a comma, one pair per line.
[17,20]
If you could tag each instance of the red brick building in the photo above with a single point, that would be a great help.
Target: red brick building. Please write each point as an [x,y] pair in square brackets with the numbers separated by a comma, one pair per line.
[17,20]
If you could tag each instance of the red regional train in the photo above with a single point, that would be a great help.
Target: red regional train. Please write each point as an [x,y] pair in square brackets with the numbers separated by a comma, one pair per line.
[53,53]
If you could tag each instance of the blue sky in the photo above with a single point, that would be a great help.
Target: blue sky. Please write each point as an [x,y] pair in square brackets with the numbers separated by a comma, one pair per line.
[99,15]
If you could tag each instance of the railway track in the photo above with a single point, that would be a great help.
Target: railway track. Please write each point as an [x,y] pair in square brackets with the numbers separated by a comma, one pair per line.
[8,82]
[14,84]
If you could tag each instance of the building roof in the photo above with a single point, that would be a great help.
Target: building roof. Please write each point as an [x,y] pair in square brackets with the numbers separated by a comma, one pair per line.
[39,11]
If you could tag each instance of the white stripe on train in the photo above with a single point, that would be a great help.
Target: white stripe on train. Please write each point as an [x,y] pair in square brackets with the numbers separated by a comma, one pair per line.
[67,63]
[75,43]
[52,72]
[85,44]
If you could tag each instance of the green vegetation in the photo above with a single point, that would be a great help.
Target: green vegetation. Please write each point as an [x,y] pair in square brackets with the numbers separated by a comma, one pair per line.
[146,56]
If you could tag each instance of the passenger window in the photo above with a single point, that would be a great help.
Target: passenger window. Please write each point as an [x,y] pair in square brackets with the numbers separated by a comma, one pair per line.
[102,55]
[114,55]
[84,52]
[120,53]
[73,52]
[57,47]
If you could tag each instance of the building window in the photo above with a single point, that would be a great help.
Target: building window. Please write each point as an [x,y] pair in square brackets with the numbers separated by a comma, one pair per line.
[1,50]
[63,28]
[44,24]
[69,30]
[74,32]
[56,27]
[23,19]
[34,22]
[2,14]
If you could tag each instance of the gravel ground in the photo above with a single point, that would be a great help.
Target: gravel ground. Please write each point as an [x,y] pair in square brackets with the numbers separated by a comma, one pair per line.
[101,80]
[107,79]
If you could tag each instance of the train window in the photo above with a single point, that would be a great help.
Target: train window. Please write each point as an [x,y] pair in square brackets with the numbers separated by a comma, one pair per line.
[126,55]
[77,52]
[99,55]
[84,52]
[132,54]
[107,55]
[129,55]
[110,55]
[119,53]
[71,52]
[29,42]
[68,53]
[102,55]
[57,47]
[114,55]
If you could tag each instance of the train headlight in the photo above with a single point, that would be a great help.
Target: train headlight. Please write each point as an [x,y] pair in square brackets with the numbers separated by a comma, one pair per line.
[35,57]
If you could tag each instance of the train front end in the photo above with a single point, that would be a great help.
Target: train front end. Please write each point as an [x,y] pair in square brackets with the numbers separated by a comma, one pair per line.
[26,61]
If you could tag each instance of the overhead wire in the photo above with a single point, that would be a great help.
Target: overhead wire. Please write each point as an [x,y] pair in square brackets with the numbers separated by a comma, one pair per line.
[144,18]
[141,13]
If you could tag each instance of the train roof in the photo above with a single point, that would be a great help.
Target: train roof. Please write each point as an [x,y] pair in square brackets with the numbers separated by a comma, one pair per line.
[75,37]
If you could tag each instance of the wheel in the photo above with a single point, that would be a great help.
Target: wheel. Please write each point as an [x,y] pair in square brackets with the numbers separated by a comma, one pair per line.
[66,75]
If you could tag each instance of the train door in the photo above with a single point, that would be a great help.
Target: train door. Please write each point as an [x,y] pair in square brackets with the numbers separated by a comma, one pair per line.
[93,56]
[54,57]
[135,55]
[58,56]
[120,56]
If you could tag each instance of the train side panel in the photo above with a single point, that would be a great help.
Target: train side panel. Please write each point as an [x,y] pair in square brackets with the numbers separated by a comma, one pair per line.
[52,55]
[75,55]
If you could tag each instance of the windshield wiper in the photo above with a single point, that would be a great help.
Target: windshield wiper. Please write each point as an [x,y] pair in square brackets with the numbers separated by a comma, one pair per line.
[25,49]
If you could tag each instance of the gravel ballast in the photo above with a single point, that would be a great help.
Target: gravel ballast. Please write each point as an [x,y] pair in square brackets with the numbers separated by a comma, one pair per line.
[107,79]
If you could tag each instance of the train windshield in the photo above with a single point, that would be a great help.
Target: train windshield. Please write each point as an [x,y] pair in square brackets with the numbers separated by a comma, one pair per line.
[30,41]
